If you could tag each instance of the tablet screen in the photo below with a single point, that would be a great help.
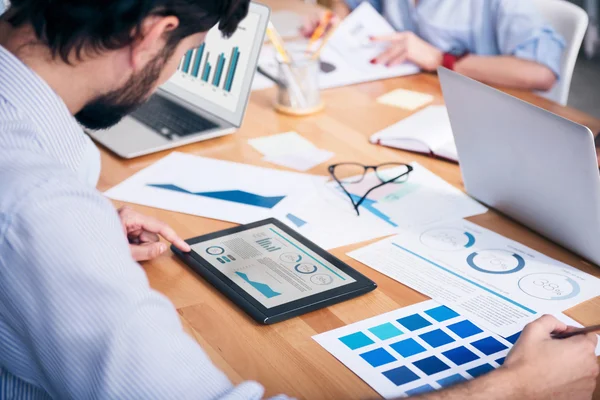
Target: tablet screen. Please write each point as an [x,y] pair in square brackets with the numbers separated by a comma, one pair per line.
[271,266]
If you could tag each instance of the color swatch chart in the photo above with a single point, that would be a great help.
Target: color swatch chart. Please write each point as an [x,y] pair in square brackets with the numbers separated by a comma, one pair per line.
[416,349]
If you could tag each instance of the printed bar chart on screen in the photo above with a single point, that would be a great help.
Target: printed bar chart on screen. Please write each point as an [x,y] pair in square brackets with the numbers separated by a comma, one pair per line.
[219,70]
[186,61]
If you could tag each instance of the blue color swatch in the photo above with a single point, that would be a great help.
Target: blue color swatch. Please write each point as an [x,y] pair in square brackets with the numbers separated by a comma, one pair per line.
[441,313]
[378,357]
[488,346]
[401,376]
[295,220]
[431,365]
[234,196]
[464,329]
[460,355]
[501,360]
[436,338]
[264,289]
[480,370]
[414,322]
[356,340]
[420,390]
[451,380]
[407,348]
[385,331]
[513,339]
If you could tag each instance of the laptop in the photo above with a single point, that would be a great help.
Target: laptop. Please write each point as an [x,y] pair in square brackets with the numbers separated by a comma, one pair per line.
[532,165]
[206,98]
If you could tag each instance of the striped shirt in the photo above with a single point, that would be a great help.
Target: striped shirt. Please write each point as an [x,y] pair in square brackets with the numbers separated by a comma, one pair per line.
[78,319]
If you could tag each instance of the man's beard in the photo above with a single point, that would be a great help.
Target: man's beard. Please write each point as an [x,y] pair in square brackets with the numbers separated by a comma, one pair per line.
[107,110]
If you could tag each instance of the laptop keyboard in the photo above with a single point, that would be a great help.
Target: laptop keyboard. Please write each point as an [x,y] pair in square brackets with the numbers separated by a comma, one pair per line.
[169,119]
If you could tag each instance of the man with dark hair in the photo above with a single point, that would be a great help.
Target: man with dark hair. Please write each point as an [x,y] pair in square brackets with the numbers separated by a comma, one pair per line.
[77,316]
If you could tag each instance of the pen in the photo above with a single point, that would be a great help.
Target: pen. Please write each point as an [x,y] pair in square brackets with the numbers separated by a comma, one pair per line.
[320,30]
[267,75]
[575,332]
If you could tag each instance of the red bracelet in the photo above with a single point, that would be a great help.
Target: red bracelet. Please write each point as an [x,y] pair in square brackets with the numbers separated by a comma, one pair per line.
[449,59]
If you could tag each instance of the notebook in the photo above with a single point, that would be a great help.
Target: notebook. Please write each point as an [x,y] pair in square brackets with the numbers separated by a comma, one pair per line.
[427,131]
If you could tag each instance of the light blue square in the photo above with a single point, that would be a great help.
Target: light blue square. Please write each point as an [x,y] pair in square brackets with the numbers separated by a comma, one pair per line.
[441,313]
[385,331]
[356,340]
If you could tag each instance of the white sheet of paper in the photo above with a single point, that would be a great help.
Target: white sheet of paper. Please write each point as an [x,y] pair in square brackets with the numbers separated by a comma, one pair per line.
[281,144]
[329,220]
[346,58]
[287,23]
[496,282]
[302,160]
[424,199]
[430,127]
[407,99]
[387,351]
[213,188]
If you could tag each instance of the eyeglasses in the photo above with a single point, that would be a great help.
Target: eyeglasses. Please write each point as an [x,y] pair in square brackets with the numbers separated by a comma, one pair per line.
[354,173]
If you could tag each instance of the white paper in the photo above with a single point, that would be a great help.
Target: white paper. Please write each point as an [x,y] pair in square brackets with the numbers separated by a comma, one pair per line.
[373,374]
[330,221]
[406,99]
[429,127]
[424,199]
[302,160]
[287,23]
[496,282]
[345,60]
[281,144]
[212,188]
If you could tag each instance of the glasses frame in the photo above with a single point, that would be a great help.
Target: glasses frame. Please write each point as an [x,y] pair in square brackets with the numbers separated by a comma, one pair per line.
[366,169]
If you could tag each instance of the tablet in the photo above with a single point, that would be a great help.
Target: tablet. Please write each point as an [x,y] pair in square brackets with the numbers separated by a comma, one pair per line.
[272,272]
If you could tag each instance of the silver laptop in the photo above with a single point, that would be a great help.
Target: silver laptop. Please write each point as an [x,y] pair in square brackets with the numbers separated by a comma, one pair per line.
[534,166]
[207,97]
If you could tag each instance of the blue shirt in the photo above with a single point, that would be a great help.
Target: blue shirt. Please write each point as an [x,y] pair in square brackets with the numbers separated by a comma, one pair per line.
[78,319]
[482,27]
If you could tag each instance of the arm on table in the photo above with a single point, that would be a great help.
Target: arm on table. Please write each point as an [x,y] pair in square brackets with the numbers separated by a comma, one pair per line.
[507,71]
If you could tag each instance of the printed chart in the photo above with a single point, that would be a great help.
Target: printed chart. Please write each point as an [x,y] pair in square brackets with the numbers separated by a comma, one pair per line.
[496,282]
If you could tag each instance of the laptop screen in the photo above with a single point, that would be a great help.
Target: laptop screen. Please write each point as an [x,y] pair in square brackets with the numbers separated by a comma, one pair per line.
[217,76]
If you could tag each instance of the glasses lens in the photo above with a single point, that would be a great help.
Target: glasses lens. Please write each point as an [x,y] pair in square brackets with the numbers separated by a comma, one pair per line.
[349,173]
[393,172]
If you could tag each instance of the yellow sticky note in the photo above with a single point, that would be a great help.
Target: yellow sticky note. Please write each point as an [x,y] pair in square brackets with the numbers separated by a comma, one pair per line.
[406,99]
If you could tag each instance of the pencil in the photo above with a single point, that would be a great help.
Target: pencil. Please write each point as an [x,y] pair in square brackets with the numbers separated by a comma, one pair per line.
[317,53]
[320,30]
[275,38]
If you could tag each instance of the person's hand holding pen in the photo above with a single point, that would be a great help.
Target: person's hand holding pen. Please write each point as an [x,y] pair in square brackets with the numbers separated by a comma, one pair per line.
[408,47]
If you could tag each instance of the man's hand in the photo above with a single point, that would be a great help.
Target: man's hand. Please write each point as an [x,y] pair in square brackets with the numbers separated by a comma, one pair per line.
[546,368]
[143,234]
[406,46]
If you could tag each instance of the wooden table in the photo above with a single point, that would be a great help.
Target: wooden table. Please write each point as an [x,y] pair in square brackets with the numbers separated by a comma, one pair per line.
[283,357]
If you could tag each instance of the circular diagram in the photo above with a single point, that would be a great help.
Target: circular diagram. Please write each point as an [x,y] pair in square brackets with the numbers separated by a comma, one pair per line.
[290,257]
[447,239]
[496,262]
[321,279]
[215,250]
[549,286]
[306,268]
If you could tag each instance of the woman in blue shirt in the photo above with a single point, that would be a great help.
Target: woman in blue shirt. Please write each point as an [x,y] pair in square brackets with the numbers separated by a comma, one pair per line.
[499,42]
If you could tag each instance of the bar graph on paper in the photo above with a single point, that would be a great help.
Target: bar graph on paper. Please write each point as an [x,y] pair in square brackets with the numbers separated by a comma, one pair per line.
[219,72]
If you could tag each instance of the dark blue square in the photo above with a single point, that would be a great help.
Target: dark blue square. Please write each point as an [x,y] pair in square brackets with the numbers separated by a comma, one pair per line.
[501,360]
[489,346]
[441,313]
[407,348]
[451,380]
[378,357]
[431,365]
[420,390]
[414,322]
[436,338]
[401,376]
[460,355]
[480,370]
[513,339]
[464,329]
